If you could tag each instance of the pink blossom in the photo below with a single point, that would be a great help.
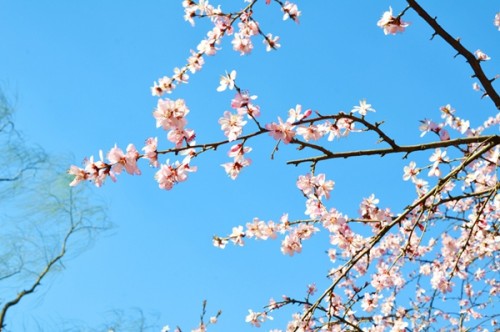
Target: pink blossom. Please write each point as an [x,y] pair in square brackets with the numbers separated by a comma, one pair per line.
[242,102]
[219,242]
[97,171]
[370,302]
[233,169]
[281,131]
[238,150]
[232,125]
[311,132]
[248,27]
[170,114]
[260,230]
[399,326]
[306,184]
[189,11]
[227,81]
[311,289]
[179,136]
[410,171]
[332,255]
[362,108]
[323,186]
[119,160]
[271,42]
[305,231]
[439,156]
[207,46]
[314,208]
[290,10]
[479,274]
[170,174]
[242,44]
[427,126]
[165,84]
[295,114]
[223,23]
[368,207]
[291,245]
[150,151]
[180,75]
[439,281]
[195,62]
[79,173]
[444,135]
[481,56]
[496,21]
[391,24]
[237,235]
[256,318]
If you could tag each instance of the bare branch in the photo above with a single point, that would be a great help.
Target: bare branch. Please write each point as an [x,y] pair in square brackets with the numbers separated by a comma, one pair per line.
[400,149]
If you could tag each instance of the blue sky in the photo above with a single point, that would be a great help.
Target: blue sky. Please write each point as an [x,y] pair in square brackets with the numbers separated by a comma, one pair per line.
[80,73]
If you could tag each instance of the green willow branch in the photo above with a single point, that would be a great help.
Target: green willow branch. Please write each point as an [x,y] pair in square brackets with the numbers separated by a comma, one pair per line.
[48,267]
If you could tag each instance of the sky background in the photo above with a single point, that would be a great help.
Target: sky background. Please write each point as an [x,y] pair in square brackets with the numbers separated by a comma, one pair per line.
[79,74]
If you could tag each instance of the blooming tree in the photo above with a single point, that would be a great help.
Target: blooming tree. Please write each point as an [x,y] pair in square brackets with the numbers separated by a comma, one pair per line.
[433,264]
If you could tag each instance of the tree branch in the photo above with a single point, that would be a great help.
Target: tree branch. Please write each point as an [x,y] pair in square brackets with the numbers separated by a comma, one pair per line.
[399,149]
[40,277]
[455,43]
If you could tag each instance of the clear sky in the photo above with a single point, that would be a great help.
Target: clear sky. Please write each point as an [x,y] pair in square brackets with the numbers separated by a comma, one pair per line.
[81,71]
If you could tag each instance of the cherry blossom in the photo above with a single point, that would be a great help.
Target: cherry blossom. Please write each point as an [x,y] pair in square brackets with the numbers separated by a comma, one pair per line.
[227,81]
[171,114]
[290,10]
[151,151]
[234,168]
[170,174]
[121,160]
[295,114]
[410,171]
[242,44]
[481,56]
[79,175]
[242,102]
[391,24]
[363,108]
[271,42]
[379,255]
[232,125]
[281,130]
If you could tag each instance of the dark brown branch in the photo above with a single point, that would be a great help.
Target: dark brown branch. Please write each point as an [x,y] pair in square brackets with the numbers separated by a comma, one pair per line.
[344,270]
[455,43]
[400,149]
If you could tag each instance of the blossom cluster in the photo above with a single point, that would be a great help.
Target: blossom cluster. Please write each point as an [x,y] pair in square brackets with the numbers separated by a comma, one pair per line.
[223,25]
[378,255]
[391,24]
[169,115]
